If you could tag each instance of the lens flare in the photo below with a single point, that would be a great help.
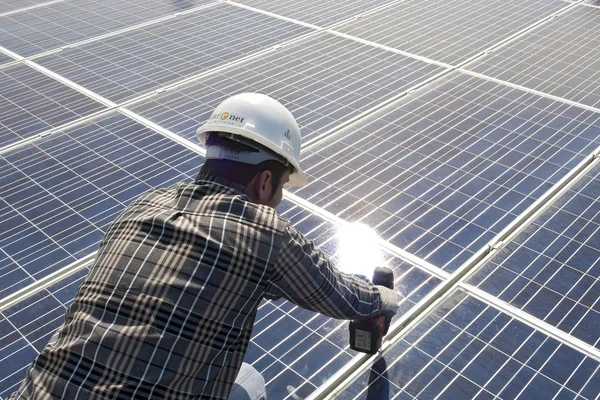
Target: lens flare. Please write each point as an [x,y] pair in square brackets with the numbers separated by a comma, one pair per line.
[359,251]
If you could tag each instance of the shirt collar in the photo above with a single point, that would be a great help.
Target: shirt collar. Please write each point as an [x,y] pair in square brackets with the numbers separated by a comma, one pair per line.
[210,179]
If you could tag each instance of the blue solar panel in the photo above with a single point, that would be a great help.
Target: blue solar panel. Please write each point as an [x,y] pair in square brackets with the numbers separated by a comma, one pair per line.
[559,58]
[297,350]
[31,103]
[466,349]
[450,31]
[551,269]
[438,173]
[324,80]
[58,195]
[26,328]
[62,23]
[441,173]
[137,62]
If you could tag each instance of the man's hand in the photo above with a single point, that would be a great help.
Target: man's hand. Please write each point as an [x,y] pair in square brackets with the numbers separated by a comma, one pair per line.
[390,301]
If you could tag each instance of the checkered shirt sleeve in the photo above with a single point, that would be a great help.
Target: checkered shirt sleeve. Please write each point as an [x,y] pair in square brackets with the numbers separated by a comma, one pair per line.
[308,278]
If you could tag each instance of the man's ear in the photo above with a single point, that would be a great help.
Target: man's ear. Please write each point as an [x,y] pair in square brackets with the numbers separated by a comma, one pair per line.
[260,187]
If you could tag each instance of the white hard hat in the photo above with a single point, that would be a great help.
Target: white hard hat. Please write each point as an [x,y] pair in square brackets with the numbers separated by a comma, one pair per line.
[261,119]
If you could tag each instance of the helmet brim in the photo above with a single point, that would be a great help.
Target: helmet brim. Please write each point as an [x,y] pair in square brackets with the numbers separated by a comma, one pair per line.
[298,178]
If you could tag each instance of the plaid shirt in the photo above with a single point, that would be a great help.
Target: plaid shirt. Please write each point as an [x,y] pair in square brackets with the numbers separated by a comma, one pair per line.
[167,309]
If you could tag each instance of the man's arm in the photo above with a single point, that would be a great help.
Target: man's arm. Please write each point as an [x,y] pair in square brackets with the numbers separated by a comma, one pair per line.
[305,276]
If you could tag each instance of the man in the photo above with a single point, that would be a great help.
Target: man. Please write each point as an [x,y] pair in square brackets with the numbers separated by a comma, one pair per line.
[167,309]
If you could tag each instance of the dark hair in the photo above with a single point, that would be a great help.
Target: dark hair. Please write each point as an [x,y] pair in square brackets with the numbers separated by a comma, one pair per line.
[236,171]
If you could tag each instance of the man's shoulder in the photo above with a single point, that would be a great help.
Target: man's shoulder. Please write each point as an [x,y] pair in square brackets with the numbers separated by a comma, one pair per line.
[233,204]
[215,200]
[262,216]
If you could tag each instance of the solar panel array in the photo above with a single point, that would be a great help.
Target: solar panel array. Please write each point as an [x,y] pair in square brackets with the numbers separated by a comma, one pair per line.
[466,134]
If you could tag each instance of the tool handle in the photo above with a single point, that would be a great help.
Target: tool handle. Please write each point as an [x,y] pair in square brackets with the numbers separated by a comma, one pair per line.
[383,276]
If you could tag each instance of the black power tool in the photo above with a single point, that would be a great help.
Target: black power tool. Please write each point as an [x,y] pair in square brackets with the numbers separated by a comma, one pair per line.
[366,334]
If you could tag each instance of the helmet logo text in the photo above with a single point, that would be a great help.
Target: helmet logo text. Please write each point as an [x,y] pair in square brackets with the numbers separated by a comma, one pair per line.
[225,116]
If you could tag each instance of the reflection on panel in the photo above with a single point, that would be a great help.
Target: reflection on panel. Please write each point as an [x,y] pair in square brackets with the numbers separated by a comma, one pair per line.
[295,350]
[441,173]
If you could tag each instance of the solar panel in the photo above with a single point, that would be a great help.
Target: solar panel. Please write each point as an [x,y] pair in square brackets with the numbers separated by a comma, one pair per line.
[560,58]
[4,59]
[31,103]
[57,195]
[294,349]
[62,23]
[436,162]
[466,349]
[449,31]
[319,12]
[127,65]
[324,80]
[441,173]
[26,328]
[551,269]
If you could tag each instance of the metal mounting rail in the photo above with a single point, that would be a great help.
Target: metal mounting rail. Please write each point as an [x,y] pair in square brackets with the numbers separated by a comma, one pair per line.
[46,281]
